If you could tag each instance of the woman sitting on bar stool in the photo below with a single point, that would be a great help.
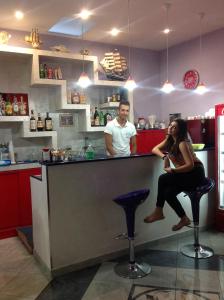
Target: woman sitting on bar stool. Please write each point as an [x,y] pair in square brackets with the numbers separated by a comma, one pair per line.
[187,174]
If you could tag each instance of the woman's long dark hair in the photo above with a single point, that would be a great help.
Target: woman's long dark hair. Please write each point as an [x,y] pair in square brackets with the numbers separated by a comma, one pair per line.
[172,146]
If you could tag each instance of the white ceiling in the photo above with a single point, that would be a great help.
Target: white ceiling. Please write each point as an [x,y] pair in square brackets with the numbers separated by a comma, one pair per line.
[148,18]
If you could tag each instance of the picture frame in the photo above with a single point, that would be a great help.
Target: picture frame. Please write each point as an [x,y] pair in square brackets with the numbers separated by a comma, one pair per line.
[66,120]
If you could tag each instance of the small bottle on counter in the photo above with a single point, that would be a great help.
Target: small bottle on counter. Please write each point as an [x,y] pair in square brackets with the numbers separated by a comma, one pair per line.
[33,123]
[48,123]
[40,123]
[90,154]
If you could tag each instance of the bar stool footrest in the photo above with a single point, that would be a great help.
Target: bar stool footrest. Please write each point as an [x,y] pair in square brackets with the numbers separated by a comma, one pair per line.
[132,271]
[197,251]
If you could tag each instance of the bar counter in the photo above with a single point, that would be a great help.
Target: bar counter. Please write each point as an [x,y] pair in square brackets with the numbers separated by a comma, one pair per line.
[75,220]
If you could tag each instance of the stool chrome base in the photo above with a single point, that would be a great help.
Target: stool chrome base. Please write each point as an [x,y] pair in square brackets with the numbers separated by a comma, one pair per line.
[199,251]
[132,271]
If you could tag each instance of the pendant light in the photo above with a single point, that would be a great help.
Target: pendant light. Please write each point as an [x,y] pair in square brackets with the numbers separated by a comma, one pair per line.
[201,88]
[84,80]
[130,83]
[167,86]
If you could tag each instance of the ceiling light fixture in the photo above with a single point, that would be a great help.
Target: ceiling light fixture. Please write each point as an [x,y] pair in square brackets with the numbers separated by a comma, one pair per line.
[130,83]
[201,88]
[85,14]
[166,30]
[114,32]
[84,80]
[167,86]
[19,15]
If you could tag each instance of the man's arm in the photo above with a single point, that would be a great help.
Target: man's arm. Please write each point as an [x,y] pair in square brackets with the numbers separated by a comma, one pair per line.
[108,141]
[133,144]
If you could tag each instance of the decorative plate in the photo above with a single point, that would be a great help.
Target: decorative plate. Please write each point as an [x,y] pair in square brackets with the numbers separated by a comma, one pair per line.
[191,79]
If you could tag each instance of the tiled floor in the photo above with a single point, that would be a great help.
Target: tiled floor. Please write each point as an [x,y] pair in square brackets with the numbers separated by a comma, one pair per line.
[174,276]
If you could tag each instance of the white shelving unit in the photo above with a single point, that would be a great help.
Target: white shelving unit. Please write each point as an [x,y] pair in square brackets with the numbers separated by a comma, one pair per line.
[109,105]
[26,133]
[83,110]
[13,118]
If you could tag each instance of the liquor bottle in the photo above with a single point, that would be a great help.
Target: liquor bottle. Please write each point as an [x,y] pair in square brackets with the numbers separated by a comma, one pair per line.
[101,116]
[40,123]
[82,97]
[1,99]
[42,74]
[33,123]
[45,71]
[15,106]
[107,118]
[50,73]
[8,107]
[22,107]
[96,118]
[92,116]
[75,97]
[2,106]
[48,123]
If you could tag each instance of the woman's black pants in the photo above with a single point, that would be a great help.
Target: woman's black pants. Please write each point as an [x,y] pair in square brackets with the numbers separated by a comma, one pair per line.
[171,184]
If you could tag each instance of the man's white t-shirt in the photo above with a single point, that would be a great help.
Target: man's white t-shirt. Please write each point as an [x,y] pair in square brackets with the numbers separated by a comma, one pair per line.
[121,136]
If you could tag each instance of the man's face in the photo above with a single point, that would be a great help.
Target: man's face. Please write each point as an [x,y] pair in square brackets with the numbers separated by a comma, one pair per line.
[123,112]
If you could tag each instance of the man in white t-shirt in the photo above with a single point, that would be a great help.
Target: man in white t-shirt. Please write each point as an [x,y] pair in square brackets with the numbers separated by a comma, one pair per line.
[120,133]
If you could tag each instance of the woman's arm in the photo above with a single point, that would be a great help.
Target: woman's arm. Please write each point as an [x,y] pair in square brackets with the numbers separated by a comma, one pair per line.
[158,149]
[187,157]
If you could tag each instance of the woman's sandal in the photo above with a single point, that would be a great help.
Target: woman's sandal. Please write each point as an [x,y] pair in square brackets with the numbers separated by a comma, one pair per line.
[181,224]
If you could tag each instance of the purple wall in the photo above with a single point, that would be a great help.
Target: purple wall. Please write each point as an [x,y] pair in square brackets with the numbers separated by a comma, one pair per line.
[145,67]
[211,69]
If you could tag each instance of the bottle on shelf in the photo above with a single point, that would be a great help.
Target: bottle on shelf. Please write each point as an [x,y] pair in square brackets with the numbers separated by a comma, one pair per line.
[50,73]
[22,107]
[33,123]
[75,97]
[92,111]
[15,106]
[8,107]
[118,97]
[82,97]
[96,118]
[42,73]
[2,106]
[101,116]
[40,123]
[48,122]
[45,71]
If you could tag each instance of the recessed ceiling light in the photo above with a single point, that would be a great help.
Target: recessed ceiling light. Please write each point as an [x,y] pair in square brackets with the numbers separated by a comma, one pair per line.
[114,31]
[84,14]
[166,30]
[19,15]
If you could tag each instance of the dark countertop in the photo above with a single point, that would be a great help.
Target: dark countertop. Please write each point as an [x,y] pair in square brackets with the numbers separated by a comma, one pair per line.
[103,157]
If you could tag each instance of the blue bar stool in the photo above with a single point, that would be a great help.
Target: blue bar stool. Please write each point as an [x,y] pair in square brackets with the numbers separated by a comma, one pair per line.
[197,250]
[130,202]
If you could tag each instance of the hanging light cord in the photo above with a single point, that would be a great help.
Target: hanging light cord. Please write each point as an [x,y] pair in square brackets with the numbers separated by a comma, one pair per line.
[167,44]
[129,39]
[200,40]
[83,57]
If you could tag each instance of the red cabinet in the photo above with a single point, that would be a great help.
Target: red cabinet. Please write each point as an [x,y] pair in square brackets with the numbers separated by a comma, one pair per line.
[15,200]
[147,139]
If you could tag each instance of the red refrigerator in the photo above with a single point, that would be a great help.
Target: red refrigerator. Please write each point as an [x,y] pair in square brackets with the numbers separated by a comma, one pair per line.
[219,158]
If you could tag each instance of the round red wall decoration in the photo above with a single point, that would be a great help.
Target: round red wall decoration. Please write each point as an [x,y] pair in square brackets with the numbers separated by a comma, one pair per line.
[191,79]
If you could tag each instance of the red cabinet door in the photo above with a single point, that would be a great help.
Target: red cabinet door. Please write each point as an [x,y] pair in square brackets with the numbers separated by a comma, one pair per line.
[9,202]
[148,139]
[25,208]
